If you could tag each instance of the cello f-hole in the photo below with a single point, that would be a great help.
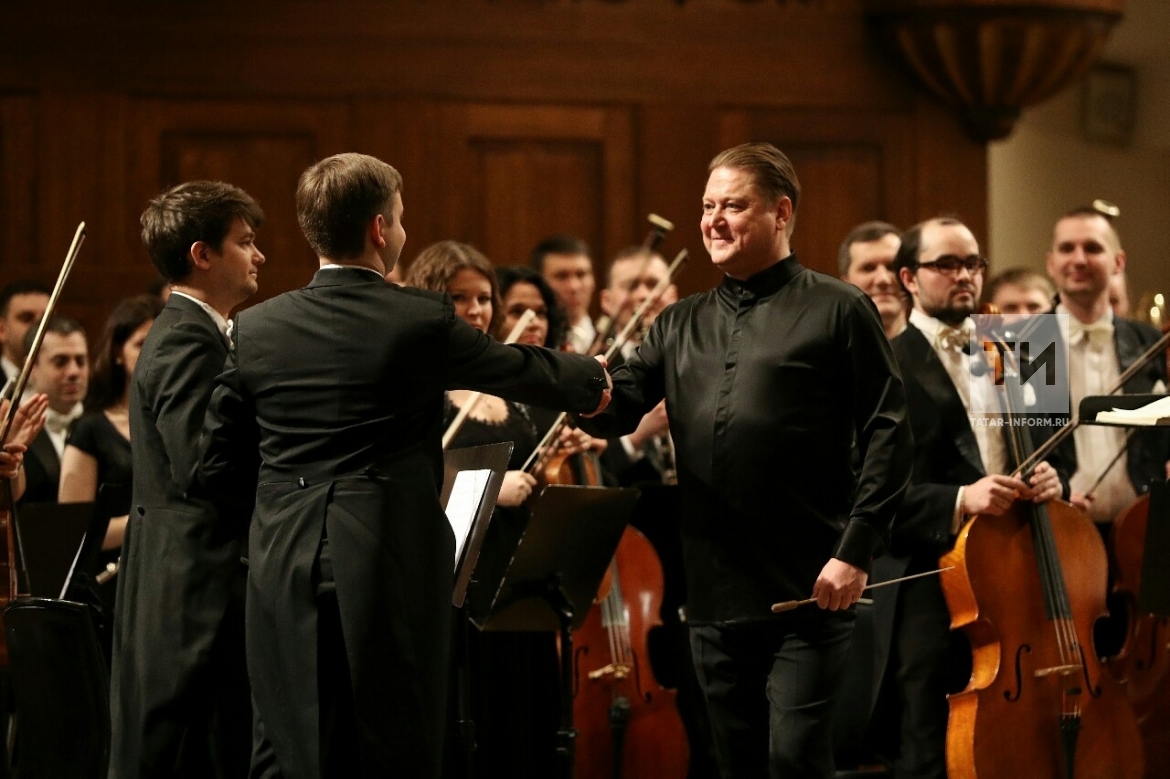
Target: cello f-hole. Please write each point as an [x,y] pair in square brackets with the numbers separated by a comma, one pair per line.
[1015,696]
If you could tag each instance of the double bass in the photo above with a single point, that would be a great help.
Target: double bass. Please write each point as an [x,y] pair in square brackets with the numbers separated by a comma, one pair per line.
[628,724]
[1026,588]
[1143,664]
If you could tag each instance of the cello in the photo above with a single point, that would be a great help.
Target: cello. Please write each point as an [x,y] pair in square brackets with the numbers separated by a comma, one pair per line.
[1026,588]
[1143,664]
[11,561]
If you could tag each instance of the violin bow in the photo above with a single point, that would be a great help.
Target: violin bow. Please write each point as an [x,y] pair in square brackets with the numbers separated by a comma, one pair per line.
[659,227]
[635,320]
[22,379]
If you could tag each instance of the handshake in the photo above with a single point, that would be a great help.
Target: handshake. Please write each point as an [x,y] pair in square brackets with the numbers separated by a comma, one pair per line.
[607,393]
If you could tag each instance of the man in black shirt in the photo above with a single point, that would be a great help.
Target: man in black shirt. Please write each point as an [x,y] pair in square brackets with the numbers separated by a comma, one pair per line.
[769,379]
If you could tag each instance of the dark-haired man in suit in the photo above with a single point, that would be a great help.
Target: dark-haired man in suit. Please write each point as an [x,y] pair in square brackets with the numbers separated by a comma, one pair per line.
[339,387]
[21,303]
[61,372]
[959,469]
[180,700]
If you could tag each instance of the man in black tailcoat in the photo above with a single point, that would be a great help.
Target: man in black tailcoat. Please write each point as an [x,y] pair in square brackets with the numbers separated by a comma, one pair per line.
[180,701]
[340,388]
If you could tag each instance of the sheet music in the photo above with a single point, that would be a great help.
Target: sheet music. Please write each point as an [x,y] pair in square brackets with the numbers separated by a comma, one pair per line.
[462,506]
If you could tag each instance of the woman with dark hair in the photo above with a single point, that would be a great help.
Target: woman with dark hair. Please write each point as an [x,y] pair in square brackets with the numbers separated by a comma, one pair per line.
[98,448]
[522,289]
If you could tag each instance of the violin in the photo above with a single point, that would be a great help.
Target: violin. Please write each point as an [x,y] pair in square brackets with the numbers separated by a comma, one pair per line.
[12,584]
[1026,588]
[1143,664]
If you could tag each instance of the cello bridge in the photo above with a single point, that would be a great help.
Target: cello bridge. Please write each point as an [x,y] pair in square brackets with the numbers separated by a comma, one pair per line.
[618,670]
[1061,670]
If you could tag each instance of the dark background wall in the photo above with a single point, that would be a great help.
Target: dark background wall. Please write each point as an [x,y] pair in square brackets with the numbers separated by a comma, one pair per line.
[509,119]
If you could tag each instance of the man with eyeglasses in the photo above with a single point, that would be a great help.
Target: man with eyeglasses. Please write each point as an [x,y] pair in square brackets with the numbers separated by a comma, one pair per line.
[960,458]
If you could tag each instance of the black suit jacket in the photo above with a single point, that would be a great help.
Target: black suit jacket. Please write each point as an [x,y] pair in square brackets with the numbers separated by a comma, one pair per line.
[180,583]
[42,471]
[340,386]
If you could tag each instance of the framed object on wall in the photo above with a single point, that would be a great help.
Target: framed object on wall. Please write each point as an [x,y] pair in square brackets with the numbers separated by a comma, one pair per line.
[1109,104]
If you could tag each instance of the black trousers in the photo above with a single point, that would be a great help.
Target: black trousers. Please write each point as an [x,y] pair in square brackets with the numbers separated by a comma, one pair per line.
[770,688]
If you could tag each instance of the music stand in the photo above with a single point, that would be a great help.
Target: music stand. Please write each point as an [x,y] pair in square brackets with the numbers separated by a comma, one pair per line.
[1154,596]
[474,475]
[477,495]
[554,575]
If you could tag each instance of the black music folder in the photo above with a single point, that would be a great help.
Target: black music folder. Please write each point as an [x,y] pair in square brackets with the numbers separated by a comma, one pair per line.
[471,484]
[562,557]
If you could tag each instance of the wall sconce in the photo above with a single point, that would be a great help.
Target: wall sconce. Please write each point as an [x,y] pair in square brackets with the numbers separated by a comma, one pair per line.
[990,58]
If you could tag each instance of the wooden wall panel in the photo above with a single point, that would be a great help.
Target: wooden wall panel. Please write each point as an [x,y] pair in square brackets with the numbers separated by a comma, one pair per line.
[675,143]
[509,121]
[18,187]
[511,175]
[852,167]
[261,147]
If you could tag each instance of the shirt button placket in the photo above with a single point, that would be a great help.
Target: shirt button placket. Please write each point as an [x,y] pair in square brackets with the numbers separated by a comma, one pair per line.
[723,409]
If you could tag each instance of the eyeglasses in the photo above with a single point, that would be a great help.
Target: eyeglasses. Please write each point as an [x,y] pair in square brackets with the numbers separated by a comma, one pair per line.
[949,264]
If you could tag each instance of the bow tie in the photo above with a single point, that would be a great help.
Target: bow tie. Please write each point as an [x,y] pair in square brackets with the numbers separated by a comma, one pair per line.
[953,339]
[57,423]
[1096,333]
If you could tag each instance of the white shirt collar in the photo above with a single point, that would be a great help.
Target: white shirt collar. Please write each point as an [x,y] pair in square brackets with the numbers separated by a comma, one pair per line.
[930,326]
[216,317]
[335,266]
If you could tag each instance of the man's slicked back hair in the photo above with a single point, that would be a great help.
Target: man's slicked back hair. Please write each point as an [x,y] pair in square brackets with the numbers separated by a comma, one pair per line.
[338,197]
[769,167]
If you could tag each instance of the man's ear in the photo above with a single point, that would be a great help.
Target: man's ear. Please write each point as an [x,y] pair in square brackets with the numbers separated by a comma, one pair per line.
[606,302]
[906,276]
[1120,261]
[375,231]
[783,211]
[200,255]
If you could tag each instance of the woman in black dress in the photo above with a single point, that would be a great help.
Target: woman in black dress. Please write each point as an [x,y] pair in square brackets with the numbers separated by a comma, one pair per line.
[97,451]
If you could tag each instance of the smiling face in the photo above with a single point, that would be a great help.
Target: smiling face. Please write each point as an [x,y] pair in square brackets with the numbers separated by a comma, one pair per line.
[742,231]
[472,294]
[948,297]
[62,370]
[1085,255]
[519,298]
[869,269]
[628,290]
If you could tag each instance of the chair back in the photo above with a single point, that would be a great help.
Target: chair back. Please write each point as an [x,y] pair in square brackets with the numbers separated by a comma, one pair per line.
[61,690]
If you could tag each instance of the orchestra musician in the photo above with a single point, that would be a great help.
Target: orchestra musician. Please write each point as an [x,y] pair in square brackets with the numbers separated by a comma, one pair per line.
[338,387]
[180,704]
[1110,468]
[769,380]
[959,471]
[513,679]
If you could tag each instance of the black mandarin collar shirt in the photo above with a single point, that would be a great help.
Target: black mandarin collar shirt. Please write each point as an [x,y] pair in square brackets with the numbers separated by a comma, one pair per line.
[768,383]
